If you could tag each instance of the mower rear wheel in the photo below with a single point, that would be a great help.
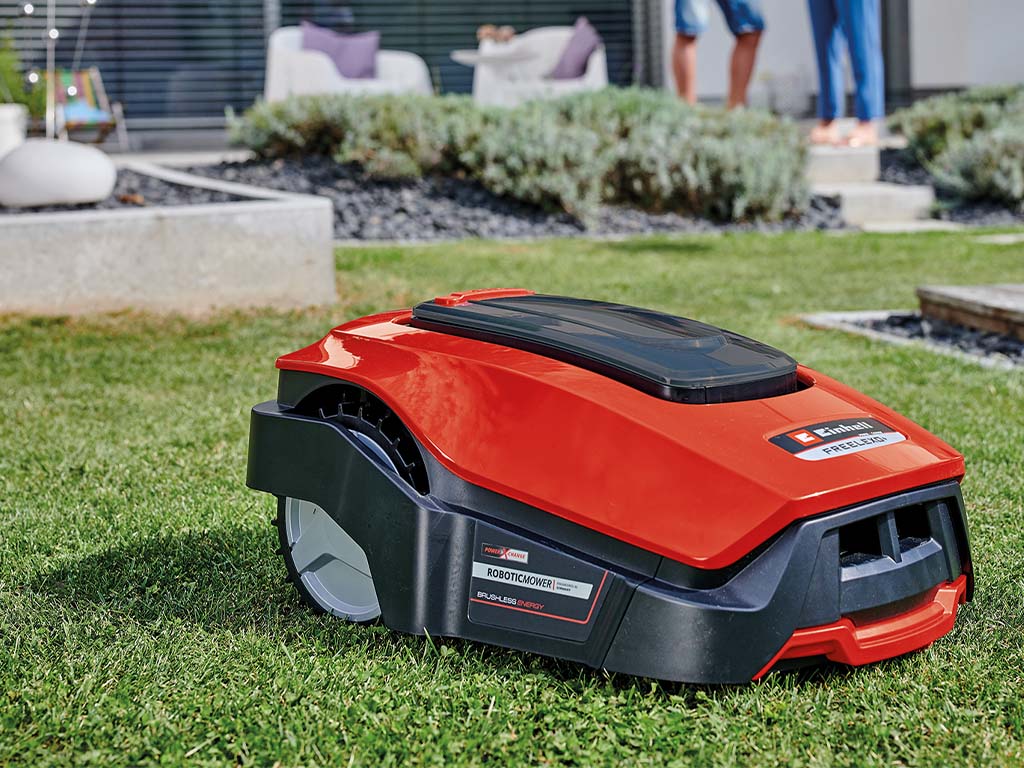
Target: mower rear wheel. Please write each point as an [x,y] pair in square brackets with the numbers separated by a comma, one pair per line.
[328,568]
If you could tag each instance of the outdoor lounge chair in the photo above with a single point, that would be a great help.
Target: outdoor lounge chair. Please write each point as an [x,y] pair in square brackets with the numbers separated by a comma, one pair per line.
[292,71]
[82,104]
[525,79]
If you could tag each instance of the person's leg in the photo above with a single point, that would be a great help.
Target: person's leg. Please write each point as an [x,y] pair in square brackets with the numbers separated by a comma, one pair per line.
[684,66]
[861,23]
[828,52]
[747,24]
[741,67]
[691,20]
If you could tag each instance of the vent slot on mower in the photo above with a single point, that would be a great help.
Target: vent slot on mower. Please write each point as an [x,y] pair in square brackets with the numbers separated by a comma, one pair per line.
[859,542]
[912,527]
[891,535]
[895,555]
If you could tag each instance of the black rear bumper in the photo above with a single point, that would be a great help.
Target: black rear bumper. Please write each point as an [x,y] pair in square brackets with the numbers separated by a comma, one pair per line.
[464,562]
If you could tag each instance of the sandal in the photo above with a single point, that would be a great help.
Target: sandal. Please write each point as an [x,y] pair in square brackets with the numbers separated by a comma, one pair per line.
[824,134]
[862,135]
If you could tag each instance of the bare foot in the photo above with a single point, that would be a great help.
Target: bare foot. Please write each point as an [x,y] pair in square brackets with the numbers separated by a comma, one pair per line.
[825,132]
[864,134]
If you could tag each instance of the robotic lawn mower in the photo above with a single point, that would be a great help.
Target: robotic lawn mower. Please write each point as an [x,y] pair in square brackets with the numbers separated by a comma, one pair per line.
[607,484]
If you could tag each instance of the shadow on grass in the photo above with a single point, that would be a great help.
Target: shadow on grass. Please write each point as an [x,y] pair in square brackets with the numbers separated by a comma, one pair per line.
[230,579]
[224,579]
[216,577]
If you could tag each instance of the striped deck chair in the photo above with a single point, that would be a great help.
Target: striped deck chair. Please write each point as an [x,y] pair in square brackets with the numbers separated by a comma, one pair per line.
[82,104]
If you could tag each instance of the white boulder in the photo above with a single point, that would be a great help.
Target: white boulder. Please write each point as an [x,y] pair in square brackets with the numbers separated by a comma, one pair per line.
[44,172]
[13,119]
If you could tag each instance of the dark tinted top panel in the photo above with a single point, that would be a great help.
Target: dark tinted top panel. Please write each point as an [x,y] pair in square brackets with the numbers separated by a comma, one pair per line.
[673,358]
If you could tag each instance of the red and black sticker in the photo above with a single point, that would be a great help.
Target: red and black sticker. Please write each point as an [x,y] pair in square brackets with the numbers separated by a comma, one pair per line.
[526,586]
[499,552]
[840,437]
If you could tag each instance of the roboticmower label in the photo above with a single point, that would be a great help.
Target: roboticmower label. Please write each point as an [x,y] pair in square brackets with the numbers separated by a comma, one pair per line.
[829,439]
[558,595]
[557,586]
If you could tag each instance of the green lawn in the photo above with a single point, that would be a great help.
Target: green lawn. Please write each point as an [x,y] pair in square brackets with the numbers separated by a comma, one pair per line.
[144,617]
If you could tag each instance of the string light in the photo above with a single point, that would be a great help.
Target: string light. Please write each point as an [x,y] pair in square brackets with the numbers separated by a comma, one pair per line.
[51,35]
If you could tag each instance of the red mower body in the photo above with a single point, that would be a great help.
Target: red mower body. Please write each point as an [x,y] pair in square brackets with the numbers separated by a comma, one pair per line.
[701,491]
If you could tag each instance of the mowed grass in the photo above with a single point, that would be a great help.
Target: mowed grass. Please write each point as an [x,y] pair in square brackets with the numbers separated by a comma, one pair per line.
[144,618]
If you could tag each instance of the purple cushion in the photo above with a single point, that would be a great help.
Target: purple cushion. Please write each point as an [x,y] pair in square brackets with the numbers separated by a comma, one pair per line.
[573,62]
[355,56]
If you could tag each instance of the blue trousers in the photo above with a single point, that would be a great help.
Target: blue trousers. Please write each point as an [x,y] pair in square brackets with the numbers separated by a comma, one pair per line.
[857,22]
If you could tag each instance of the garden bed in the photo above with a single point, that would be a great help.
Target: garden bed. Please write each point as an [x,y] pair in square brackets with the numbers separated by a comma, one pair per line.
[169,242]
[591,160]
[983,344]
[443,208]
[968,145]
[901,166]
[907,327]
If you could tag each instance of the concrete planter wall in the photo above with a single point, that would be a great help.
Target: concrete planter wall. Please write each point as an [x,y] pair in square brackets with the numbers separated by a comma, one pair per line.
[13,120]
[272,250]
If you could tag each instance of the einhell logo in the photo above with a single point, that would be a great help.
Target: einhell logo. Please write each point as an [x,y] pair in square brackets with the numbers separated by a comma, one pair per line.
[505,553]
[803,437]
[841,437]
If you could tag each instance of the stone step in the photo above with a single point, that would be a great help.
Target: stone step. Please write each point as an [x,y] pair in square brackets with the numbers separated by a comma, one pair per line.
[842,165]
[877,201]
[998,308]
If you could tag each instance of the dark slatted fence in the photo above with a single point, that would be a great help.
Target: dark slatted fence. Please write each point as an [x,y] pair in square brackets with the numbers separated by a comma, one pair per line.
[181,59]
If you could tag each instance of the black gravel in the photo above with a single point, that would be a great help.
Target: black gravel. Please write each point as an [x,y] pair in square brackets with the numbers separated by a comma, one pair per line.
[900,166]
[980,214]
[135,190]
[979,343]
[436,208]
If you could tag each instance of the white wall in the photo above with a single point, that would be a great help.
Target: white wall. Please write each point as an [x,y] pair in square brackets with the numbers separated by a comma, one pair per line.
[953,43]
[938,49]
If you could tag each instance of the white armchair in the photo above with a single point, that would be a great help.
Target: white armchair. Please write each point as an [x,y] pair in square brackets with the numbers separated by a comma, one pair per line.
[508,84]
[293,71]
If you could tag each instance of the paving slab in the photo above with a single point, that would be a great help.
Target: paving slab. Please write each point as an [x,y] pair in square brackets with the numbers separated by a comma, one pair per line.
[911,227]
[1005,238]
[998,307]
